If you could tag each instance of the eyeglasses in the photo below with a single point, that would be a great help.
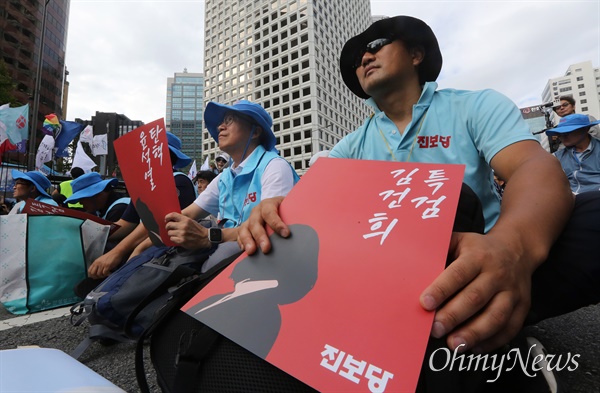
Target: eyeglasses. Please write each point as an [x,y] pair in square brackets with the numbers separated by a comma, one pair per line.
[372,47]
[563,105]
[231,117]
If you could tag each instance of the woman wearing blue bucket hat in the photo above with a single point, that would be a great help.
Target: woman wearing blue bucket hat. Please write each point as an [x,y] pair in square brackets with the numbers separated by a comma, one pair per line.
[256,171]
[33,184]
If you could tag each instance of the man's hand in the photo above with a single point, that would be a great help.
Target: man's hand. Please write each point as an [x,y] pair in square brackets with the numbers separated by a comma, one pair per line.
[186,232]
[104,265]
[483,295]
[252,231]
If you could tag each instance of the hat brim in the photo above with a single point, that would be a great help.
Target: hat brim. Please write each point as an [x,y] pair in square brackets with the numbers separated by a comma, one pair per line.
[182,159]
[566,129]
[20,175]
[410,30]
[91,190]
[214,113]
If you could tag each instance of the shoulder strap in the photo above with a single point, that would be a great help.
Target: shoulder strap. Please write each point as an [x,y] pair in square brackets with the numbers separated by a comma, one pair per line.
[124,200]
[210,335]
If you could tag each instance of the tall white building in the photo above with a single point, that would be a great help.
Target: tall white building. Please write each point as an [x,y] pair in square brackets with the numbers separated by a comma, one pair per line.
[582,82]
[185,106]
[284,55]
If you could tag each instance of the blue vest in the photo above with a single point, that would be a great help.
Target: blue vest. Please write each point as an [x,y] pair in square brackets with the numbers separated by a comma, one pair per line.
[238,194]
[584,173]
[125,200]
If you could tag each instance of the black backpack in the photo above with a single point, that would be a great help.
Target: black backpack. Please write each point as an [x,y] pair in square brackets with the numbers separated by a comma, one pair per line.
[189,356]
[125,304]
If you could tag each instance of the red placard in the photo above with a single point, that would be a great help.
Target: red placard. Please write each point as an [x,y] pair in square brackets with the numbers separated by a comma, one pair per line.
[35,208]
[337,305]
[145,163]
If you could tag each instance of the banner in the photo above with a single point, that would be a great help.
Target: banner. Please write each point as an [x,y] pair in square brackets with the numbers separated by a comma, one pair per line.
[87,135]
[68,131]
[99,145]
[44,153]
[145,163]
[15,122]
[82,160]
[337,304]
[51,125]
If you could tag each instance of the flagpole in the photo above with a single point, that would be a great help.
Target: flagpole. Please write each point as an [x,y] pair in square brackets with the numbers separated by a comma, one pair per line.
[36,95]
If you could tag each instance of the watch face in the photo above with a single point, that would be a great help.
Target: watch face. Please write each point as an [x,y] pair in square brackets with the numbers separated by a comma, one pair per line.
[215,235]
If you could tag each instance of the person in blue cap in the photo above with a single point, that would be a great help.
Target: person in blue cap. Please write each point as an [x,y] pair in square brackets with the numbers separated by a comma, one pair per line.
[256,171]
[580,159]
[98,196]
[32,184]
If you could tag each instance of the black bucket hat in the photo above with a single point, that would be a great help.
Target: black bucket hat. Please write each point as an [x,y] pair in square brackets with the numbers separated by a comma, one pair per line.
[412,31]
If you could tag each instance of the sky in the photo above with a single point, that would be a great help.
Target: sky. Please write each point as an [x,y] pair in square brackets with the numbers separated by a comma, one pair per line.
[121,52]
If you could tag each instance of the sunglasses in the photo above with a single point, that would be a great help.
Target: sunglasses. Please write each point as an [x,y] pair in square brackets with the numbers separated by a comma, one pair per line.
[372,47]
[220,160]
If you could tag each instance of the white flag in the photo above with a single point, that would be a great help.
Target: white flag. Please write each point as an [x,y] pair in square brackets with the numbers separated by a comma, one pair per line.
[205,166]
[99,145]
[44,153]
[193,171]
[82,160]
[87,135]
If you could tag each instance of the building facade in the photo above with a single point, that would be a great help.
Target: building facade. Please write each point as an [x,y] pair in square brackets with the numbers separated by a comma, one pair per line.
[21,31]
[284,55]
[582,82]
[114,125]
[185,104]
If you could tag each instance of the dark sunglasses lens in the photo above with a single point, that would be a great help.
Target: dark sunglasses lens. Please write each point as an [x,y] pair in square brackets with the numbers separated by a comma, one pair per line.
[372,47]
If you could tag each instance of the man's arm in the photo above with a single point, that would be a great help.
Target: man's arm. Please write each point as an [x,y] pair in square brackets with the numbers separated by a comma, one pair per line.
[487,288]
[105,264]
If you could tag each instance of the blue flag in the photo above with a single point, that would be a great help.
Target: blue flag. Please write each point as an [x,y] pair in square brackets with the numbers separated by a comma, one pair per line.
[16,123]
[68,131]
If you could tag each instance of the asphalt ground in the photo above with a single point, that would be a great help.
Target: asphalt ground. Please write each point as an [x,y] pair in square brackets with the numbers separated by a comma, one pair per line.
[574,333]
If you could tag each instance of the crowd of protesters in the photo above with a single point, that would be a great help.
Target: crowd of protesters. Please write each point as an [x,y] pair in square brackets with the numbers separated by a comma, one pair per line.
[515,266]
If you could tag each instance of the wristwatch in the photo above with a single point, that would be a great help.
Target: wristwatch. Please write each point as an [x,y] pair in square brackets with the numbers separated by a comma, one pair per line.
[215,235]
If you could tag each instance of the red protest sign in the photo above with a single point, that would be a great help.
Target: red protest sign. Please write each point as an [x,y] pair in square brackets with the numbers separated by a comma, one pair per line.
[337,305]
[145,163]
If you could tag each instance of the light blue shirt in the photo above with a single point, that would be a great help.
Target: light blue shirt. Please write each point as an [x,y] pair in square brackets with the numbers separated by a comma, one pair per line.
[582,170]
[448,126]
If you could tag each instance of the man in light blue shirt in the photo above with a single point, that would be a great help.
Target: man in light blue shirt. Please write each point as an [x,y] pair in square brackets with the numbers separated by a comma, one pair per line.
[580,158]
[483,296]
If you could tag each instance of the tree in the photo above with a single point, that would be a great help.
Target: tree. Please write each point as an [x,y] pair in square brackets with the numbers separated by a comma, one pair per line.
[7,86]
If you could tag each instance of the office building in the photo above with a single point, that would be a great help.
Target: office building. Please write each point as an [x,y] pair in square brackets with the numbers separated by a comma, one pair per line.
[185,94]
[582,82]
[284,55]
[114,125]
[20,38]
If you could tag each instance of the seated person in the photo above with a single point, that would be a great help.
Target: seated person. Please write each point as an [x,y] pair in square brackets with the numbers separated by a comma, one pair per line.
[203,179]
[32,184]
[132,232]
[580,159]
[98,196]
[64,190]
[221,162]
[527,266]
[243,131]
